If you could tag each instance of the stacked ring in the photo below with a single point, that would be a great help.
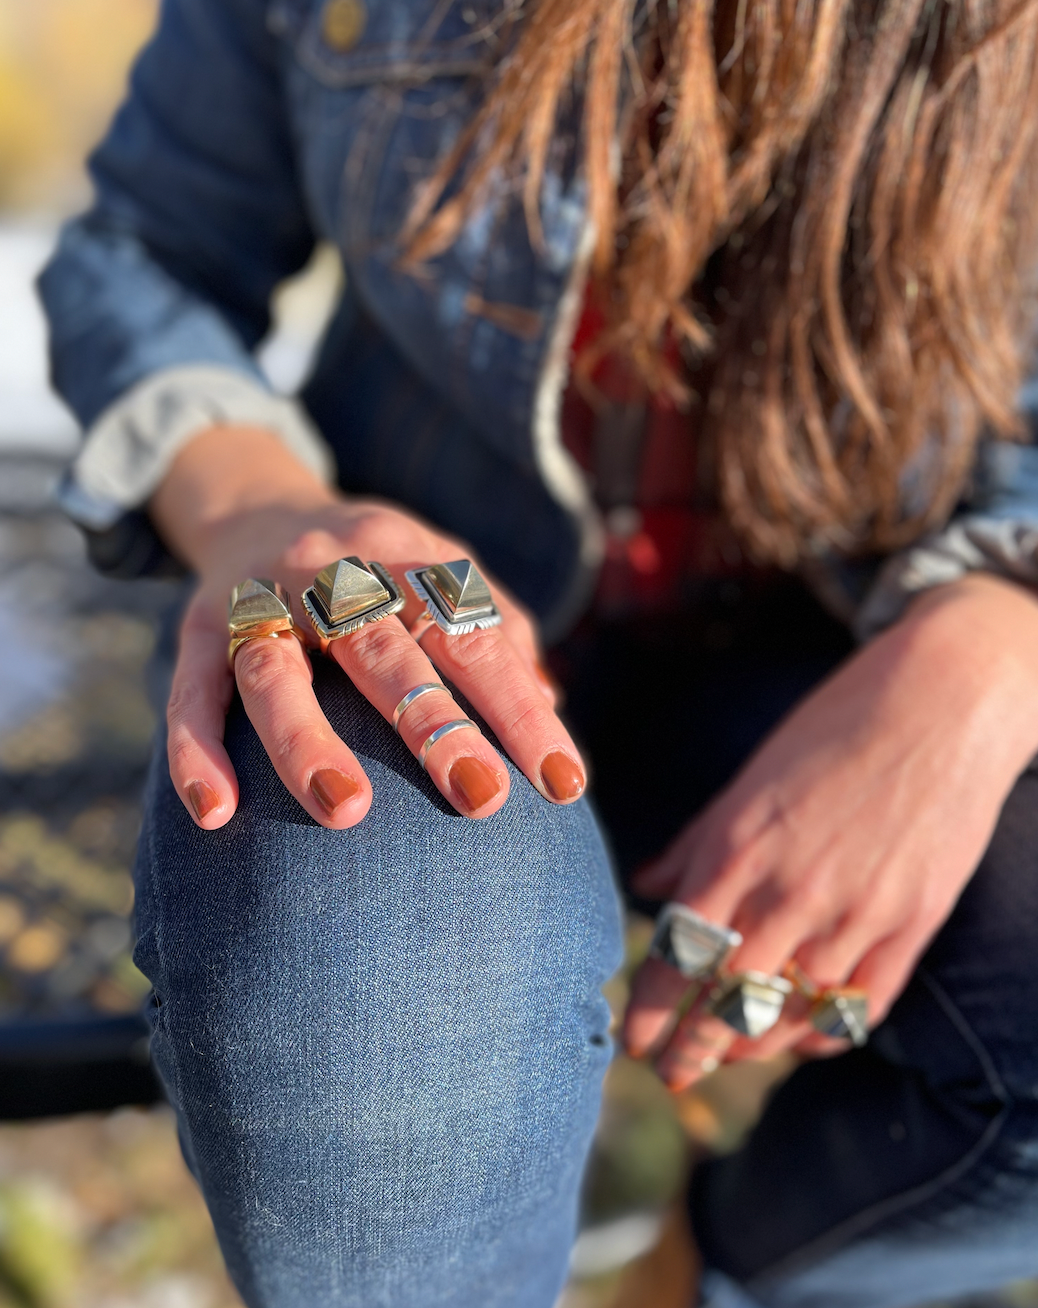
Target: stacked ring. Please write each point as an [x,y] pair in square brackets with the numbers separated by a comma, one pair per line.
[457,725]
[410,698]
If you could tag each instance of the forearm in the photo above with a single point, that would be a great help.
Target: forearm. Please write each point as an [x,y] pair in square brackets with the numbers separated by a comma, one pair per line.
[229,486]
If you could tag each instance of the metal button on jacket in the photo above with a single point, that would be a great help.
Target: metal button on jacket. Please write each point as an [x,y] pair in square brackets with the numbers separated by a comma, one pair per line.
[342,23]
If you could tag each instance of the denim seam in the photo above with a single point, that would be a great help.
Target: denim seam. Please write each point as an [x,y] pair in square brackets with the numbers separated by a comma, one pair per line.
[854,1226]
[160,953]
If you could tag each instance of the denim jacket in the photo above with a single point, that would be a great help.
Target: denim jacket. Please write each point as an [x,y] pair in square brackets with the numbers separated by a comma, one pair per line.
[254,128]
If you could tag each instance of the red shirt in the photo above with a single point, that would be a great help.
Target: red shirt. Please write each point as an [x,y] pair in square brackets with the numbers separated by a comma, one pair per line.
[664,528]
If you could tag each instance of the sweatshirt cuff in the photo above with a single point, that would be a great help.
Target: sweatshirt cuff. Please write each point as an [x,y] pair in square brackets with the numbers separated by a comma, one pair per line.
[1007,547]
[131,446]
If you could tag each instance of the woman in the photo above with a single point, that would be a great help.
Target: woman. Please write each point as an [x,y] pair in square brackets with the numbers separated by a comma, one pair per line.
[788,252]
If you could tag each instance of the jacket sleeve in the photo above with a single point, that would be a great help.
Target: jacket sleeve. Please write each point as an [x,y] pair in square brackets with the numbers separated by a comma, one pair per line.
[994,530]
[197,215]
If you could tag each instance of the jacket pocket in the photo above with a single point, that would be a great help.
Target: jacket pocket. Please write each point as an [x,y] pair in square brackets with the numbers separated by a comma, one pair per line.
[353,43]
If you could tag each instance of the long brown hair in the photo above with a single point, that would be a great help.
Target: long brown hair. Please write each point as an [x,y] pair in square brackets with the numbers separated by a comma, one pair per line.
[831,204]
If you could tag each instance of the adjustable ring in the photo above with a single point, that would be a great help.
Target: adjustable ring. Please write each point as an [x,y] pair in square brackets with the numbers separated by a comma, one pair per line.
[440,732]
[410,698]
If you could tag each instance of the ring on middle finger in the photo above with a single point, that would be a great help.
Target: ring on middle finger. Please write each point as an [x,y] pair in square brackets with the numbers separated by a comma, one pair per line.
[456,597]
[348,594]
[750,1002]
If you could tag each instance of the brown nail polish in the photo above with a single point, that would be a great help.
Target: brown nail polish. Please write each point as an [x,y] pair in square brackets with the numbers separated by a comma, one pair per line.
[331,788]
[203,798]
[473,782]
[563,779]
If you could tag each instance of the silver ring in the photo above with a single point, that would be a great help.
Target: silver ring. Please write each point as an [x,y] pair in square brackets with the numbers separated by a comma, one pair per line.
[456,597]
[411,696]
[440,732]
[691,943]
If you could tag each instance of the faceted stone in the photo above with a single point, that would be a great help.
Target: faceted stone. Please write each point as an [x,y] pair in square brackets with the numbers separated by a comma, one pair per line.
[257,602]
[690,943]
[751,1003]
[346,588]
[464,592]
[842,1014]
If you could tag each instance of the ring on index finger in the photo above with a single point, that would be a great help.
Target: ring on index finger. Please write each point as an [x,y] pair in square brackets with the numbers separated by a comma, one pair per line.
[691,943]
[456,597]
[258,609]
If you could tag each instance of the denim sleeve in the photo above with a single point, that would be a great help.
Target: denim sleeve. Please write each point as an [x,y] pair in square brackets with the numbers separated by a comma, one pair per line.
[994,530]
[197,213]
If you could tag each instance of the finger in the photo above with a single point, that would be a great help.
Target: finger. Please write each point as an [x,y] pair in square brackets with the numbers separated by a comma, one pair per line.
[656,991]
[385,664]
[316,766]
[700,1041]
[885,970]
[697,1047]
[660,878]
[486,668]
[199,766]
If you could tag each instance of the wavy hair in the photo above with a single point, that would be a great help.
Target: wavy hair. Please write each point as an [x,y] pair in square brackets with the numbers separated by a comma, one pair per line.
[830,204]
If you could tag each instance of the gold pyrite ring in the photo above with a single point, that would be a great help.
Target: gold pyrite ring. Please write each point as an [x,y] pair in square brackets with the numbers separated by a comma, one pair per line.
[456,597]
[348,594]
[258,608]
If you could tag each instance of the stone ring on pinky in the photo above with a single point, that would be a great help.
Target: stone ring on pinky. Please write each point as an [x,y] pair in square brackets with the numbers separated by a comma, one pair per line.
[348,594]
[457,725]
[410,698]
[456,597]
[258,609]
[690,943]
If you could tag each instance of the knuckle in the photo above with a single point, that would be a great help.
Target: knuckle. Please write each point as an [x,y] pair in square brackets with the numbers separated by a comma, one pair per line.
[259,667]
[180,753]
[376,649]
[298,741]
[475,653]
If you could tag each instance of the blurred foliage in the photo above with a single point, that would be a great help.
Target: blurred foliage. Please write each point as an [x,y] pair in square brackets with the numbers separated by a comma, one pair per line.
[62,67]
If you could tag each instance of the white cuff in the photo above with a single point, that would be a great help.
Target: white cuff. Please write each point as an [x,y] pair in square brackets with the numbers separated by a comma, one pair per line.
[1007,547]
[131,446]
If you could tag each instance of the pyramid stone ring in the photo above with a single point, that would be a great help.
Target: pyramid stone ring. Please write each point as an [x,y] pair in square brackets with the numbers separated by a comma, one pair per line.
[691,944]
[258,608]
[456,597]
[348,594]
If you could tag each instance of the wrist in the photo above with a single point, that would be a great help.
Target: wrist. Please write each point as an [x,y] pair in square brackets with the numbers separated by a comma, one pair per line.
[231,487]
[981,632]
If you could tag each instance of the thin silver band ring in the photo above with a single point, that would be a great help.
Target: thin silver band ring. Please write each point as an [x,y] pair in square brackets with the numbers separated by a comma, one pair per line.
[410,698]
[440,732]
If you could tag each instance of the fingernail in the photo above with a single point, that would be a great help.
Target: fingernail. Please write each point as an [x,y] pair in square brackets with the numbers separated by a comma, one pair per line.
[563,779]
[473,782]
[203,798]
[332,788]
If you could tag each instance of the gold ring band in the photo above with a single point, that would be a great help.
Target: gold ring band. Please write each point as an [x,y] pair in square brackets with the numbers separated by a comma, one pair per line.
[236,642]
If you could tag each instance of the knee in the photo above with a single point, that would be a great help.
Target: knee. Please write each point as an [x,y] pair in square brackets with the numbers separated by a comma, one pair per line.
[418,997]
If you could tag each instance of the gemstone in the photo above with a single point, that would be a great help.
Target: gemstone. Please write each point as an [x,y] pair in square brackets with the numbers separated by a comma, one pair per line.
[842,1014]
[751,1003]
[462,592]
[691,943]
[257,602]
[347,587]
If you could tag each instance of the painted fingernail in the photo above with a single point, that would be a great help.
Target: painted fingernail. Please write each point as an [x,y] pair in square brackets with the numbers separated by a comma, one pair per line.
[473,782]
[332,788]
[203,799]
[563,779]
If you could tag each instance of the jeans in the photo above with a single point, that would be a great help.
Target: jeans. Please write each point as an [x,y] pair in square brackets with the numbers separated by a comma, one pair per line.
[385,1046]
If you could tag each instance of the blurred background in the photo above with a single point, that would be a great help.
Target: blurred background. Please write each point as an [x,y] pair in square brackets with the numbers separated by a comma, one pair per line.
[96,1208]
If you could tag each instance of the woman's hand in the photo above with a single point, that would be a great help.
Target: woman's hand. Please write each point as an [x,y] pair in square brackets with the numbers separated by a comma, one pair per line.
[847,839]
[236,504]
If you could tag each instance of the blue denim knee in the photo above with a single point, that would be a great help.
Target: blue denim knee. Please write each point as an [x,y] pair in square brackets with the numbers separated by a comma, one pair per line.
[385,1046]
